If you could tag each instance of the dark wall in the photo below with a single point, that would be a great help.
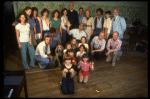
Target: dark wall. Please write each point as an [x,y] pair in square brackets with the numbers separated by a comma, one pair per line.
[9,37]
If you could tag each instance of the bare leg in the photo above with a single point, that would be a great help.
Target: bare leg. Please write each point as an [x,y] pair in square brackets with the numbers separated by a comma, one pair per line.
[80,77]
[85,79]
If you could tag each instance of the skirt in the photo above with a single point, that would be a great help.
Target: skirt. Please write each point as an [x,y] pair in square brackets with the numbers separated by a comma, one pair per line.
[33,38]
[84,73]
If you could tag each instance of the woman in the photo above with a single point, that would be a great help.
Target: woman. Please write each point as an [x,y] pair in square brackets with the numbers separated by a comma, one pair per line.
[83,42]
[56,22]
[64,20]
[45,22]
[88,22]
[37,20]
[23,35]
[31,21]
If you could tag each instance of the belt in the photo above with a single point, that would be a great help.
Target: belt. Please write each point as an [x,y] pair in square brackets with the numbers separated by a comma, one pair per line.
[99,28]
[88,25]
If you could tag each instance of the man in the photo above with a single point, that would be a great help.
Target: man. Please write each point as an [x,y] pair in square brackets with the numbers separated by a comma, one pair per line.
[55,40]
[139,25]
[99,21]
[76,33]
[107,24]
[42,53]
[73,19]
[81,14]
[114,48]
[98,43]
[118,24]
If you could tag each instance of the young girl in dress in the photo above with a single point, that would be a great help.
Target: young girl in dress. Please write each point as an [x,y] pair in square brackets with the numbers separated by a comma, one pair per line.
[84,64]
[68,72]
[82,50]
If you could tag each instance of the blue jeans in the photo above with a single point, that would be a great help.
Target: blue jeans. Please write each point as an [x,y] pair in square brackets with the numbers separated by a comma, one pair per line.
[99,54]
[43,62]
[97,31]
[64,37]
[67,85]
[25,46]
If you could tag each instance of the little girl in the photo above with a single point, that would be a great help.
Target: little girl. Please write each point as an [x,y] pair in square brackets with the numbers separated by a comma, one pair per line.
[68,72]
[68,46]
[80,53]
[83,42]
[85,65]
[71,54]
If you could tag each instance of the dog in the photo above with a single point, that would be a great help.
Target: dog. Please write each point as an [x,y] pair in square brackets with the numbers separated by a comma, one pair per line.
[58,53]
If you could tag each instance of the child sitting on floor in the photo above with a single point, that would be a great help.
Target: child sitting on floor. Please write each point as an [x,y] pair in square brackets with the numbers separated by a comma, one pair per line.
[80,53]
[85,65]
[68,46]
[83,42]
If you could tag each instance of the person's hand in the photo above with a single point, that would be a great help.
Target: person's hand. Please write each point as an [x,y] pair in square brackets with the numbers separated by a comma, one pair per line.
[68,24]
[92,63]
[41,37]
[35,37]
[65,70]
[30,43]
[107,53]
[51,57]
[20,47]
[91,33]
[92,52]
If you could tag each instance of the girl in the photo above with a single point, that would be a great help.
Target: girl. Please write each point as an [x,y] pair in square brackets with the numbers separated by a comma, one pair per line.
[83,42]
[81,52]
[45,22]
[56,22]
[68,72]
[31,21]
[64,20]
[37,20]
[68,46]
[84,65]
[23,35]
[71,54]
[74,45]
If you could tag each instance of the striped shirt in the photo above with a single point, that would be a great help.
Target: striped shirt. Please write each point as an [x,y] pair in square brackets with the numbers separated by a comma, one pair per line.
[114,45]
[98,44]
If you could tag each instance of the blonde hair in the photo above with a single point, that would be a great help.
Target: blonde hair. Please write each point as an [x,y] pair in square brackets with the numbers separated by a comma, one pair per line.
[87,10]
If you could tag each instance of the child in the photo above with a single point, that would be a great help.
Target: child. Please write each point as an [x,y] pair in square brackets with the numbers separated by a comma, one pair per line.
[83,42]
[85,65]
[80,53]
[68,46]
[74,45]
[71,54]
[68,72]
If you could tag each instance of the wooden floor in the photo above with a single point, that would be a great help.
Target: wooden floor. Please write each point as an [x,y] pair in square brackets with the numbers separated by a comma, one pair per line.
[129,78]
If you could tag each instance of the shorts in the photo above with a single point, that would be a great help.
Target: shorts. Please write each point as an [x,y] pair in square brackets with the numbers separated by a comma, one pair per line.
[84,73]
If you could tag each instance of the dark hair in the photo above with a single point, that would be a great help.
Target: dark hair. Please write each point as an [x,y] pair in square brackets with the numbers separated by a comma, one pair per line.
[54,13]
[34,9]
[69,50]
[83,47]
[44,10]
[73,39]
[115,31]
[108,12]
[99,9]
[67,44]
[62,11]
[52,30]
[22,13]
[67,58]
[80,8]
[83,37]
[26,9]
[46,36]
[85,56]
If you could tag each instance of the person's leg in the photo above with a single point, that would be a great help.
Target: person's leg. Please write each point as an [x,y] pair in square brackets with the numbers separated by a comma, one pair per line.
[96,32]
[91,56]
[43,62]
[80,77]
[51,62]
[116,54]
[109,57]
[34,43]
[86,79]
[71,85]
[24,54]
[32,55]
[64,37]
[64,87]
[99,54]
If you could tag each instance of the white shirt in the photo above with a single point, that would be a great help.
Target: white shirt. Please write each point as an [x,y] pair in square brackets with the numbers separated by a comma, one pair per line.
[107,24]
[86,45]
[44,25]
[24,32]
[116,17]
[80,54]
[64,21]
[76,34]
[41,49]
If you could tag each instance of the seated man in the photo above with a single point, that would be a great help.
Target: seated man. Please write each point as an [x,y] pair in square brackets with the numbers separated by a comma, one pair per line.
[42,53]
[98,43]
[114,48]
[55,40]
[77,33]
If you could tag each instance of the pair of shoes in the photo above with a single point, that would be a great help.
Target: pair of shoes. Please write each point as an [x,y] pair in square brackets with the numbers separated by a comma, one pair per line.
[113,64]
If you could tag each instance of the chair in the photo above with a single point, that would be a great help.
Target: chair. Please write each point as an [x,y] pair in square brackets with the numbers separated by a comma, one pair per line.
[125,41]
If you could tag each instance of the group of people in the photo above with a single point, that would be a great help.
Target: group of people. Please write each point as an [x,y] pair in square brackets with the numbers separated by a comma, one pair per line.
[83,38]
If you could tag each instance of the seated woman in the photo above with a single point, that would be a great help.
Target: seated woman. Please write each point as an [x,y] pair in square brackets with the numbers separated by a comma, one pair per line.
[83,42]
[68,72]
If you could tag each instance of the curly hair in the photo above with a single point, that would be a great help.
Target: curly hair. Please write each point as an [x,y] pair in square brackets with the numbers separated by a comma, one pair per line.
[54,13]
[99,9]
[44,10]
[62,11]
[19,15]
[34,9]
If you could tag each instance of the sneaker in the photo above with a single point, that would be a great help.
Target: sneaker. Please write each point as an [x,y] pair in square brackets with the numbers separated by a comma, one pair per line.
[118,58]
[113,64]
[40,66]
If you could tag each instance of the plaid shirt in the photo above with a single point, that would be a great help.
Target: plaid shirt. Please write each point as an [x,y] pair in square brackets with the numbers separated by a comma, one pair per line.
[114,45]
[98,44]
